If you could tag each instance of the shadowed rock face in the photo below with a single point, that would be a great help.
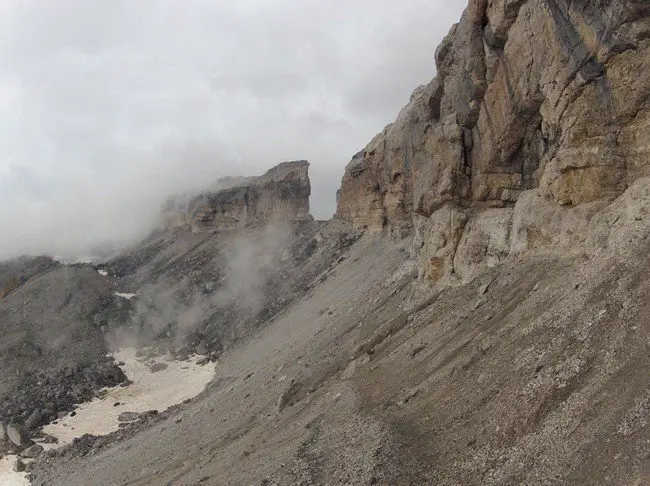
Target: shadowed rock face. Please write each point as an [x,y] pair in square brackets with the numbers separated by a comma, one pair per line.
[537,107]
[282,193]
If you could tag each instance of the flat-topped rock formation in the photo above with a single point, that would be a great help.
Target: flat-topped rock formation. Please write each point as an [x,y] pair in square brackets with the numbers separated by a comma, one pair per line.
[282,193]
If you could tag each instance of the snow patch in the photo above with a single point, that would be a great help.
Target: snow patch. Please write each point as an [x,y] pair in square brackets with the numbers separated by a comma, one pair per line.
[7,475]
[103,273]
[149,391]
[125,296]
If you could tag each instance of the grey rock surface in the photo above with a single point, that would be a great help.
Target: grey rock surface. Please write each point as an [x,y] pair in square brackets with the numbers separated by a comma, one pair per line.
[32,452]
[18,465]
[158,367]
[18,435]
[281,194]
[128,416]
[52,351]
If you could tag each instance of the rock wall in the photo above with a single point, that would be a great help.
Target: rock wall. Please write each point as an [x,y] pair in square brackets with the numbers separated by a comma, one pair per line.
[282,193]
[538,118]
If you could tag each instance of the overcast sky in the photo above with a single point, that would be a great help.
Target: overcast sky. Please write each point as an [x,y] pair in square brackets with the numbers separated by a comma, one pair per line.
[107,107]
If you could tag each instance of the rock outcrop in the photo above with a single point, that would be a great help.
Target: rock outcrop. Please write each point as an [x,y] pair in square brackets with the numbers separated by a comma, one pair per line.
[537,119]
[15,273]
[18,436]
[282,193]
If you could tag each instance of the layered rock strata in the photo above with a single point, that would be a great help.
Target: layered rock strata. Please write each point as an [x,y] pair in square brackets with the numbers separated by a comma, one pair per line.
[282,193]
[537,120]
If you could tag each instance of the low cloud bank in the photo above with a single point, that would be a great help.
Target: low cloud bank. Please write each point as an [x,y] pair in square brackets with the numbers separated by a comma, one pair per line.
[110,107]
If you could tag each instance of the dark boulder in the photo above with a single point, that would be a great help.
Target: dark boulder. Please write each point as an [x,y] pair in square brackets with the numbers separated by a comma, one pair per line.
[19,465]
[34,419]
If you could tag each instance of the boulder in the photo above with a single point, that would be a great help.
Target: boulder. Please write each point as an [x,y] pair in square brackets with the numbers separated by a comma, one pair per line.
[158,367]
[18,436]
[3,432]
[32,452]
[290,396]
[18,465]
[49,439]
[128,416]
[33,420]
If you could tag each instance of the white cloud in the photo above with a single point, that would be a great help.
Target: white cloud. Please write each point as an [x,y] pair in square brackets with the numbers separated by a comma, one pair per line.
[107,107]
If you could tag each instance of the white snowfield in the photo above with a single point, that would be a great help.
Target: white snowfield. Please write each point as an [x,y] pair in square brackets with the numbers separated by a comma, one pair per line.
[149,391]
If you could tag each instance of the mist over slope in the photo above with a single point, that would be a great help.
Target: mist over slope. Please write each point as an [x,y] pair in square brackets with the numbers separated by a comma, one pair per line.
[214,272]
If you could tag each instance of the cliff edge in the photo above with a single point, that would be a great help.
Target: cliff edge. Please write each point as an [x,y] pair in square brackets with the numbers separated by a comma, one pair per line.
[281,194]
[536,121]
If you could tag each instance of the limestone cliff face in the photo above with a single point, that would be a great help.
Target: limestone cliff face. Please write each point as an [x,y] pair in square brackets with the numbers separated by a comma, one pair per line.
[282,193]
[537,119]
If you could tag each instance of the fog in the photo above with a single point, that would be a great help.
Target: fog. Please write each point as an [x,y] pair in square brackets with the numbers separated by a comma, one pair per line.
[107,108]
[238,285]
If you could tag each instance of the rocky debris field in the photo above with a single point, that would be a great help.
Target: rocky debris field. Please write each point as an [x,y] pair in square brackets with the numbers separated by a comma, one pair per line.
[59,326]
[117,412]
[52,352]
[16,272]
[358,383]
[45,396]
